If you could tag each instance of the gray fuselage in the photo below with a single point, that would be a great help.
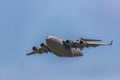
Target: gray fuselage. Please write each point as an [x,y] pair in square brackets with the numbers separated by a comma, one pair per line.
[60,49]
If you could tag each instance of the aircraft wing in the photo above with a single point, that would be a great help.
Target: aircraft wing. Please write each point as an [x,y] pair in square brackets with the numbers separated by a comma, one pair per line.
[82,43]
[95,44]
[37,51]
[81,38]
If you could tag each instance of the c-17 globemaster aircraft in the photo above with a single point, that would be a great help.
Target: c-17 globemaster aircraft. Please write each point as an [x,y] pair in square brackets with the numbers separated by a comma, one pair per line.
[66,48]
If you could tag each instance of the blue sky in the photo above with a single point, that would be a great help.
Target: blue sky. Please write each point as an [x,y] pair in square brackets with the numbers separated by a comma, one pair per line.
[25,23]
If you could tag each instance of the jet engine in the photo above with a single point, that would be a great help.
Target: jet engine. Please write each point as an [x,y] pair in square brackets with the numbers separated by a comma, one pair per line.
[43,45]
[68,42]
[34,48]
[82,43]
[46,49]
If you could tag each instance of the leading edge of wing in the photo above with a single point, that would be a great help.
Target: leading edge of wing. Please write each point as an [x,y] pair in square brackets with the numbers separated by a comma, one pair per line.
[91,40]
[31,53]
[81,38]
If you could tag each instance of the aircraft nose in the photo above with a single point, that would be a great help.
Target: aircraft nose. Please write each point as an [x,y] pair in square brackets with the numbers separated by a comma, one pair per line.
[50,40]
[53,42]
[50,37]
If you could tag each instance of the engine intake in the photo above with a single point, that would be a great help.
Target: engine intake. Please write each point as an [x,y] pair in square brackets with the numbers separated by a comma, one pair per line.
[82,43]
[67,41]
[34,48]
[42,44]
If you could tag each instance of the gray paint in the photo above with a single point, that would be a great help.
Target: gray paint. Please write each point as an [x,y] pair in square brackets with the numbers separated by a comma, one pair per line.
[66,48]
[60,49]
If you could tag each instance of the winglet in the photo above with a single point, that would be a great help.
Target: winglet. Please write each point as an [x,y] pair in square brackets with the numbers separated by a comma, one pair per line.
[111,42]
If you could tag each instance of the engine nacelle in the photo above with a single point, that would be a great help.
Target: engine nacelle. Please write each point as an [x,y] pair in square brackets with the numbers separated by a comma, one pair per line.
[82,43]
[43,45]
[68,42]
[34,48]
[46,49]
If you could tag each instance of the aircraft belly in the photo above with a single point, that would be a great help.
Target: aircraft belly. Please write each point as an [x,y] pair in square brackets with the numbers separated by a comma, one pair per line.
[71,52]
[58,48]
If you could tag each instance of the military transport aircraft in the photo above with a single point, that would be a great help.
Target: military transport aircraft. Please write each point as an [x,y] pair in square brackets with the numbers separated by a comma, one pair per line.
[66,48]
